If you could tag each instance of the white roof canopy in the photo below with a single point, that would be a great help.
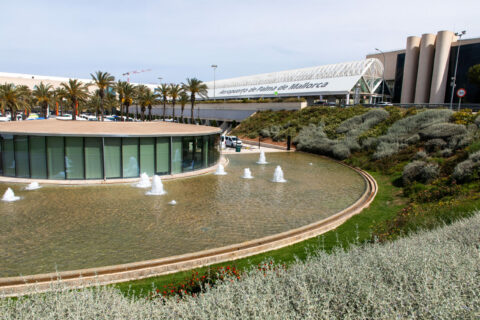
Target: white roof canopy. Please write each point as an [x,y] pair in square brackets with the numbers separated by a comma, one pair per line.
[333,79]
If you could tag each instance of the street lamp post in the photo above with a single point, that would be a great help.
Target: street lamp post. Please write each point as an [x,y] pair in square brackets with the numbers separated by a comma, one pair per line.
[214,66]
[383,76]
[454,79]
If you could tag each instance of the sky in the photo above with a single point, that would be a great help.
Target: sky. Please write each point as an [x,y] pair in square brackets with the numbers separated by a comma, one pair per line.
[181,39]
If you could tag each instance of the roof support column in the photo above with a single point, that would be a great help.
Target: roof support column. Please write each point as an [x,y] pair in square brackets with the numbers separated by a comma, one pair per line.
[410,70]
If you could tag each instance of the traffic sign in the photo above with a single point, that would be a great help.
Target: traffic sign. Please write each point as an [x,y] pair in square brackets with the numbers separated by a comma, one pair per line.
[461,93]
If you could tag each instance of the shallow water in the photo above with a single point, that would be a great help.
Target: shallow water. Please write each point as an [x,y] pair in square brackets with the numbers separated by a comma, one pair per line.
[72,227]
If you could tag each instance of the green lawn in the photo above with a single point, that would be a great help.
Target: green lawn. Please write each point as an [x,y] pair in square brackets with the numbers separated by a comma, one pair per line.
[387,203]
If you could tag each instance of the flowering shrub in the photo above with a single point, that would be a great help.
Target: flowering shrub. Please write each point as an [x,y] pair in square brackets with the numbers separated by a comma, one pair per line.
[464,116]
[196,283]
[437,191]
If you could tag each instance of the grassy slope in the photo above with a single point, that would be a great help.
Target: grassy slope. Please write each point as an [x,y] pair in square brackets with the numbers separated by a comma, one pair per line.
[357,229]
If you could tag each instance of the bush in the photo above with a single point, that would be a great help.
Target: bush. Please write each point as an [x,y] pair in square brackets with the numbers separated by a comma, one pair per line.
[421,155]
[464,116]
[420,171]
[467,170]
[358,124]
[435,145]
[477,121]
[369,143]
[413,139]
[443,130]
[340,151]
[440,189]
[446,153]
[387,149]
[404,128]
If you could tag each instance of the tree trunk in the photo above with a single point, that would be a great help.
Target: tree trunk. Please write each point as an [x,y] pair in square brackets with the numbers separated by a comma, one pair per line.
[45,110]
[173,109]
[136,111]
[164,107]
[150,113]
[74,115]
[101,109]
[121,111]
[13,116]
[183,108]
[192,98]
[126,109]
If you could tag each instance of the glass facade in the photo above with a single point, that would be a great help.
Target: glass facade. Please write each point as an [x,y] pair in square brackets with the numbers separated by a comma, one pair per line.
[79,158]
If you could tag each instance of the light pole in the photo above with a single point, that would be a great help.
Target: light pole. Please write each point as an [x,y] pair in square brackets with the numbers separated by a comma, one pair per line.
[383,76]
[214,66]
[454,79]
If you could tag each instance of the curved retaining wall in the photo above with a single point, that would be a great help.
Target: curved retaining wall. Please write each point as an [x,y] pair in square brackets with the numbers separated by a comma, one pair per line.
[17,286]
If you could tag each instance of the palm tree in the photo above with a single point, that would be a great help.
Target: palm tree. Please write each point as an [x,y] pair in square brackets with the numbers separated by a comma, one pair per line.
[174,92]
[103,80]
[163,90]
[94,102]
[76,92]
[139,92]
[14,99]
[110,101]
[147,99]
[195,86]
[44,96]
[119,86]
[59,94]
[128,96]
[183,101]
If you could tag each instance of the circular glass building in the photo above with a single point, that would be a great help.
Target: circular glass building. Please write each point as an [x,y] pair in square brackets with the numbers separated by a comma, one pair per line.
[88,150]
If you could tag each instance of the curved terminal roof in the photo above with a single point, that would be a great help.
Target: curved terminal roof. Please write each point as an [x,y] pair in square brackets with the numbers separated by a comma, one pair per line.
[104,129]
[334,78]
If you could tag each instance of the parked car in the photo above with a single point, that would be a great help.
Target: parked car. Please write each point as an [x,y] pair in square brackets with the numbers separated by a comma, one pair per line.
[384,104]
[232,141]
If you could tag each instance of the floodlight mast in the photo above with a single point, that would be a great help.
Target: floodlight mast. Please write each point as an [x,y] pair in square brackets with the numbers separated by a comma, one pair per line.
[214,66]
[454,78]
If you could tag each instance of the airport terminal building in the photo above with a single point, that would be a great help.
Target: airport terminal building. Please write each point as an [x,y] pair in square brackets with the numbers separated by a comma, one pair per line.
[419,74]
[351,82]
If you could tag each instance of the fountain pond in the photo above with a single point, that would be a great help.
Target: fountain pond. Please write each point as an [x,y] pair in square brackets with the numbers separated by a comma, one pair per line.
[73,227]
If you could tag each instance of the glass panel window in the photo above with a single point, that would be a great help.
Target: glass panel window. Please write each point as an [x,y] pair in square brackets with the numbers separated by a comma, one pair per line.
[163,155]
[113,157]
[1,156]
[187,153]
[93,158]
[205,151]
[130,157]
[8,156]
[21,157]
[176,155]
[38,158]
[213,153]
[74,158]
[55,158]
[198,153]
[147,155]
